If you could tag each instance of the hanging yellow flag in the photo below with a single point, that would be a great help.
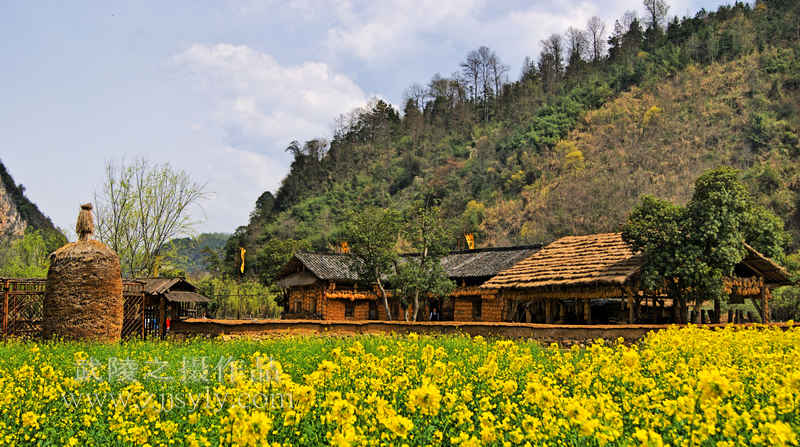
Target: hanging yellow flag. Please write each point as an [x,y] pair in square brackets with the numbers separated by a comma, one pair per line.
[345,247]
[242,251]
[470,237]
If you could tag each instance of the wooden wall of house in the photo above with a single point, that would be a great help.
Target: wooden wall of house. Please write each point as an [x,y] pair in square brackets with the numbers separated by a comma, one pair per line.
[336,309]
[492,308]
[313,300]
[306,299]
[464,308]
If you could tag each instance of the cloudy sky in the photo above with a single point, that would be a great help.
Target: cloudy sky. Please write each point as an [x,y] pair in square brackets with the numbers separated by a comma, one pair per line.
[218,88]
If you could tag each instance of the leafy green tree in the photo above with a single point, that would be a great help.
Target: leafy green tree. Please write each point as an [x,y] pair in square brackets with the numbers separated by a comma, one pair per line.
[24,257]
[422,273]
[372,235]
[275,254]
[655,228]
[689,250]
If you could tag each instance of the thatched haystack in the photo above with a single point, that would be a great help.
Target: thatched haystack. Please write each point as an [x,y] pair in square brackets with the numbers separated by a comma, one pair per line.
[84,288]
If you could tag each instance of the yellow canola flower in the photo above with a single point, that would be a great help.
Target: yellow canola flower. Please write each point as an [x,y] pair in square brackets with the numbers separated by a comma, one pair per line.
[426,399]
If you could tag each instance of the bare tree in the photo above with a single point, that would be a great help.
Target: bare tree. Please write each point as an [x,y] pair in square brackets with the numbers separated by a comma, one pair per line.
[416,93]
[472,69]
[578,43]
[499,73]
[551,60]
[596,30]
[657,12]
[484,74]
[141,207]
[628,18]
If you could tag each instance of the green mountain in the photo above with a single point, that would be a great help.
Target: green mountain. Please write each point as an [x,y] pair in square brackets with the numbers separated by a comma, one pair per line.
[567,148]
[195,255]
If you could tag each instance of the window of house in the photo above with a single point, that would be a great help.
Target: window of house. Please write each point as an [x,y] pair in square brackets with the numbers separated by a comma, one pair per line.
[476,310]
[349,309]
[373,310]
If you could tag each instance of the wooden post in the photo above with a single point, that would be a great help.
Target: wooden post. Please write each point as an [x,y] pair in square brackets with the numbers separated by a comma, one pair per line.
[676,317]
[5,307]
[562,311]
[764,304]
[162,316]
[548,310]
[717,311]
[587,311]
[630,306]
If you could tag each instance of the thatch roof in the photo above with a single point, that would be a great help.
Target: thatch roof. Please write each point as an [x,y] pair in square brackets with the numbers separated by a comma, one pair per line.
[466,264]
[157,286]
[595,259]
[601,259]
[179,296]
[176,290]
[774,274]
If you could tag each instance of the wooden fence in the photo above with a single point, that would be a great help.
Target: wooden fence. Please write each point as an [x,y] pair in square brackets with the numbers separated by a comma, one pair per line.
[23,303]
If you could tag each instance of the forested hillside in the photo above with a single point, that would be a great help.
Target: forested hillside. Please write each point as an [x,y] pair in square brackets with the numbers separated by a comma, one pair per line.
[599,117]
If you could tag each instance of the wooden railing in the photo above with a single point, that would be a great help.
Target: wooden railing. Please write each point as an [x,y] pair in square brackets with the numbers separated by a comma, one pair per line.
[23,305]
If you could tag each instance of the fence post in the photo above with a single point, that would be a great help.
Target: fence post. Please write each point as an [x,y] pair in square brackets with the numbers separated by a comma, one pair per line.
[5,307]
[141,311]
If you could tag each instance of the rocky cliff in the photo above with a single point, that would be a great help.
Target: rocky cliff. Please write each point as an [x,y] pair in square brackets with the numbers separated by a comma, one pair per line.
[17,213]
[11,223]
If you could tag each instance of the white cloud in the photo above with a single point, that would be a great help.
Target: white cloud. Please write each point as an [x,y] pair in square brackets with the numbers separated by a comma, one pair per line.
[236,178]
[257,106]
[380,30]
[403,31]
[261,101]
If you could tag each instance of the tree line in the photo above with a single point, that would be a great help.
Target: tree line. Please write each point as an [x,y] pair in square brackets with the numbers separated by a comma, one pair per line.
[478,138]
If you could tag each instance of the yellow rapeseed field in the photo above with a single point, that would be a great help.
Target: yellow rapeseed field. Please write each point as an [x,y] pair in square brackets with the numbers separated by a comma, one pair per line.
[679,387]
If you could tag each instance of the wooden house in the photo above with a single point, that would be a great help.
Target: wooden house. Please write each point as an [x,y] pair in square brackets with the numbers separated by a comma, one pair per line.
[173,298]
[596,278]
[323,286]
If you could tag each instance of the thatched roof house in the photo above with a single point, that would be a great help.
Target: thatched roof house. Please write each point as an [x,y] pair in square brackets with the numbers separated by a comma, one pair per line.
[174,290]
[170,298]
[322,285]
[603,266]
[597,259]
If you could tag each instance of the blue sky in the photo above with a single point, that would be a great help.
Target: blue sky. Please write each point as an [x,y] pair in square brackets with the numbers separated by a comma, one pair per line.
[219,88]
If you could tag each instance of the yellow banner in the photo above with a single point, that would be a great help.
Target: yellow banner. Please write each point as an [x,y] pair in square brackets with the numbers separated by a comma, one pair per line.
[242,251]
[470,237]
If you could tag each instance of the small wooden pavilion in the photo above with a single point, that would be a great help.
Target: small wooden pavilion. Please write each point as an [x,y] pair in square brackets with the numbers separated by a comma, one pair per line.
[596,278]
[323,286]
[173,298]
